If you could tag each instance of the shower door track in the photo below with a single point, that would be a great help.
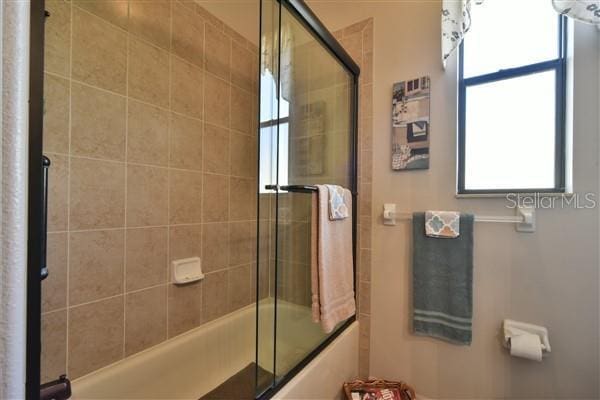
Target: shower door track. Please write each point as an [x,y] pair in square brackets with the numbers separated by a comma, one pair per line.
[302,12]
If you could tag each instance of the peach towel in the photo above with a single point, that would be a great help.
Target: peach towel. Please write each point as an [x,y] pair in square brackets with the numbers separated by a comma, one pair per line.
[332,273]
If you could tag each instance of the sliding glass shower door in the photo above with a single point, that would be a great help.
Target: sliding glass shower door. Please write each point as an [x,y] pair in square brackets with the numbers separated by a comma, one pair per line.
[307,137]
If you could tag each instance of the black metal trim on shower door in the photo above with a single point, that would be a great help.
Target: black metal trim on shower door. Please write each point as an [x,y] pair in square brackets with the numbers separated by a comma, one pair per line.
[304,14]
[35,234]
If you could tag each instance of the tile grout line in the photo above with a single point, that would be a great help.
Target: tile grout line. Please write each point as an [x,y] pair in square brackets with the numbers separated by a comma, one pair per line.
[168,266]
[138,164]
[70,119]
[161,108]
[124,255]
[202,202]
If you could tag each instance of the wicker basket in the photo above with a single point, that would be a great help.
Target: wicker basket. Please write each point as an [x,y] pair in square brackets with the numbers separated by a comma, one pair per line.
[406,392]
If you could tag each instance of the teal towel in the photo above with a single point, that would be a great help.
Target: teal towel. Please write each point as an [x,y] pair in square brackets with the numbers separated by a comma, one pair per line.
[443,282]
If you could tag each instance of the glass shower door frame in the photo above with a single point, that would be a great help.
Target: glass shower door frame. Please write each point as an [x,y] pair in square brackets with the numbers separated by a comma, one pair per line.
[300,10]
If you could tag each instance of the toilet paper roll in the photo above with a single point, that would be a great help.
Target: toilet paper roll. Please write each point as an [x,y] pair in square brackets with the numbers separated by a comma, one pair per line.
[526,346]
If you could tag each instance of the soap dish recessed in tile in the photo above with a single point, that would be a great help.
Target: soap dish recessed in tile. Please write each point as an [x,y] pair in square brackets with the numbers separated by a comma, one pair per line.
[187,270]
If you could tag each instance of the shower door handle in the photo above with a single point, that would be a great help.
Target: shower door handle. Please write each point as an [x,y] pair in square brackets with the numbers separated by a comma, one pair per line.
[44,268]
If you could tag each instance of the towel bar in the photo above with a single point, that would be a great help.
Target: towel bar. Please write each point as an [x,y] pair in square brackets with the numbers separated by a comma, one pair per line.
[297,188]
[525,218]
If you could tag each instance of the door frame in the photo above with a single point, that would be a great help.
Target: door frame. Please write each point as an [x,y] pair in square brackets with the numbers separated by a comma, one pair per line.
[35,229]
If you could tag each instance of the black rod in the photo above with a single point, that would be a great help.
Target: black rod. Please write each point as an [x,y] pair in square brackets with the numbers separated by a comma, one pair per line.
[293,188]
[35,235]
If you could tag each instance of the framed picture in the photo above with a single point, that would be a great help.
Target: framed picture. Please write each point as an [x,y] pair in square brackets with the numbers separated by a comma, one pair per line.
[410,124]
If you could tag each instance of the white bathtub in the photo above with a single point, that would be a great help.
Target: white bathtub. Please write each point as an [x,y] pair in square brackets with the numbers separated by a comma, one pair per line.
[192,364]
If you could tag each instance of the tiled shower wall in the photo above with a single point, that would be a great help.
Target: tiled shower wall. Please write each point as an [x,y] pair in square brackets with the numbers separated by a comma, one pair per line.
[357,39]
[150,124]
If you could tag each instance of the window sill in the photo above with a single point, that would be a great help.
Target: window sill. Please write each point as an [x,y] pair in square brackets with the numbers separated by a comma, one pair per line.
[503,195]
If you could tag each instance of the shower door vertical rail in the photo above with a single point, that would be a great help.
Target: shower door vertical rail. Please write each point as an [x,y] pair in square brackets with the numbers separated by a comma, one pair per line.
[36,233]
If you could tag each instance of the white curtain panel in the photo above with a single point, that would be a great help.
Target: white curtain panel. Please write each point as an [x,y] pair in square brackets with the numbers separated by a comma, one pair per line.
[582,10]
[456,21]
[14,88]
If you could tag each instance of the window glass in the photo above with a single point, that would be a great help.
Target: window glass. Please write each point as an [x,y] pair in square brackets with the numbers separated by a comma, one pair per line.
[510,133]
[268,136]
[510,33]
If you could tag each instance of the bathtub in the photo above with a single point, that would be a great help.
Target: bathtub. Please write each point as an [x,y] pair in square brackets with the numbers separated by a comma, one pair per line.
[192,364]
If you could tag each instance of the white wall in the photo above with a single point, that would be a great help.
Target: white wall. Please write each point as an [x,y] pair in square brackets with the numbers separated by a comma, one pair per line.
[549,277]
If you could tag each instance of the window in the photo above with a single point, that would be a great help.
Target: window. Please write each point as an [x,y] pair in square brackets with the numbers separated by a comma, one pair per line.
[512,73]
[269,147]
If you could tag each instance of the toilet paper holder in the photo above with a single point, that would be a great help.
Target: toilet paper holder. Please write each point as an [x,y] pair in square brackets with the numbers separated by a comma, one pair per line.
[515,328]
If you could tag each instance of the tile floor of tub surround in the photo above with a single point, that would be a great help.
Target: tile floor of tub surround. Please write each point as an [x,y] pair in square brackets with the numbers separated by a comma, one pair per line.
[150,124]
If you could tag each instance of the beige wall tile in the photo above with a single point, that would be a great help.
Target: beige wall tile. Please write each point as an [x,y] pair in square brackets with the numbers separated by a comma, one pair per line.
[187,83]
[242,110]
[365,199]
[366,101]
[152,21]
[146,257]
[145,319]
[185,205]
[242,204]
[240,287]
[147,134]
[367,68]
[97,194]
[243,155]
[353,44]
[54,288]
[57,40]
[185,241]
[113,11]
[214,296]
[187,39]
[58,202]
[215,246]
[99,52]
[218,52]
[364,297]
[217,97]
[366,133]
[186,142]
[365,232]
[147,199]
[95,265]
[56,114]
[242,237]
[54,345]
[210,18]
[185,307]
[216,149]
[242,66]
[148,73]
[365,265]
[98,123]
[263,278]
[95,335]
[294,239]
[215,198]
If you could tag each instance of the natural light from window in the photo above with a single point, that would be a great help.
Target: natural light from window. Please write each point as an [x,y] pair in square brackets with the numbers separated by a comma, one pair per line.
[268,135]
[510,116]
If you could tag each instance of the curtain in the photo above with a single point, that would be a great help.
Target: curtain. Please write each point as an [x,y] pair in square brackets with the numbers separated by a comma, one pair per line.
[581,10]
[271,56]
[456,21]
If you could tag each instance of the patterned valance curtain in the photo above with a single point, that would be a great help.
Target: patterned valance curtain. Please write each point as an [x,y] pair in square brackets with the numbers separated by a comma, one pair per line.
[456,21]
[582,10]
[271,56]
